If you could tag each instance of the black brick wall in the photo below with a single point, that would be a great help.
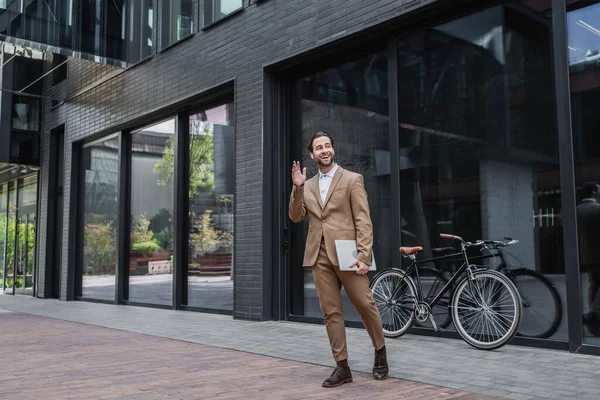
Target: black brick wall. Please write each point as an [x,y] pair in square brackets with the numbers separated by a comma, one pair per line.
[235,49]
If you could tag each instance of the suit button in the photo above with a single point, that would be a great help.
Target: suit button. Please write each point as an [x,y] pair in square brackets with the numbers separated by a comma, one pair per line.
[323,221]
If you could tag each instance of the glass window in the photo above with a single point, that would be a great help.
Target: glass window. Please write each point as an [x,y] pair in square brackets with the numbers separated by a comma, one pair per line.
[3,231]
[583,26]
[177,21]
[478,151]
[26,113]
[214,10]
[11,229]
[152,173]
[42,21]
[59,66]
[27,215]
[212,188]
[350,102]
[100,209]
[103,27]
[141,28]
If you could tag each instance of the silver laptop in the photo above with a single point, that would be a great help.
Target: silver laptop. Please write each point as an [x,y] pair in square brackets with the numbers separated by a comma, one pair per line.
[347,252]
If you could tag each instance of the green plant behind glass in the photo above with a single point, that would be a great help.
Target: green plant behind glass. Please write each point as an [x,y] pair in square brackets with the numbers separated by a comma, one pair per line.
[202,160]
[99,249]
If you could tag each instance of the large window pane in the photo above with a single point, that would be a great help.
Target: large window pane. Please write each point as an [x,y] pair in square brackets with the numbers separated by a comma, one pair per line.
[101,165]
[11,229]
[214,10]
[177,21]
[42,21]
[584,60]
[26,113]
[3,231]
[478,150]
[141,28]
[351,103]
[152,174]
[103,27]
[212,187]
[27,215]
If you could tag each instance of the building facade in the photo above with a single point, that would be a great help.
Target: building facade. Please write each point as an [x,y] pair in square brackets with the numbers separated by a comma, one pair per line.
[147,149]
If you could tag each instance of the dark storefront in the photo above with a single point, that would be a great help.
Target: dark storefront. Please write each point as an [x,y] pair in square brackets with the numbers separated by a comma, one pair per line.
[474,118]
[466,112]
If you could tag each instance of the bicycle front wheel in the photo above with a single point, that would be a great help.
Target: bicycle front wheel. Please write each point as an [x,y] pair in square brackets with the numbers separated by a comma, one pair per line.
[542,308]
[395,295]
[486,310]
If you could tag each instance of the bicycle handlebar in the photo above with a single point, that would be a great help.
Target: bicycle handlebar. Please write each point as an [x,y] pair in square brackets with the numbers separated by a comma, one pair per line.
[502,243]
[508,241]
[448,236]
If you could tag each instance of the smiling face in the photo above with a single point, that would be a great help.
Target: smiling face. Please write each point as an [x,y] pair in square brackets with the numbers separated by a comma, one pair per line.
[323,153]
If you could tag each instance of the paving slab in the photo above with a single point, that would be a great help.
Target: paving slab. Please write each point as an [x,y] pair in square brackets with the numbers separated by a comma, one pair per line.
[512,371]
[54,359]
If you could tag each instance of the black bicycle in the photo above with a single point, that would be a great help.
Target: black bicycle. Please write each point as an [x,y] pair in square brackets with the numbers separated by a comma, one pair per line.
[484,305]
[542,307]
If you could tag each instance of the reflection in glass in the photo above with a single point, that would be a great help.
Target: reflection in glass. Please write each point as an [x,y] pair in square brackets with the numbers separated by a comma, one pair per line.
[584,58]
[177,20]
[212,187]
[477,159]
[3,230]
[18,230]
[351,103]
[27,214]
[10,237]
[141,28]
[214,10]
[151,240]
[583,32]
[103,27]
[43,21]
[101,166]
[26,113]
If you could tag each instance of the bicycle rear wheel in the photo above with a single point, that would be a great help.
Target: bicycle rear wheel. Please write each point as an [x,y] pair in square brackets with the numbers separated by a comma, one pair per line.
[542,308]
[394,294]
[486,310]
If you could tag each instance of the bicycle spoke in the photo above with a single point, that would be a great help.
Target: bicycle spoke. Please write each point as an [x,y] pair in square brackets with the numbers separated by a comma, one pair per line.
[485,310]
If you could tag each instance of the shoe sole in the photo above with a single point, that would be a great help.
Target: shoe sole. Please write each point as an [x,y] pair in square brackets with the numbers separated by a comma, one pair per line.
[348,380]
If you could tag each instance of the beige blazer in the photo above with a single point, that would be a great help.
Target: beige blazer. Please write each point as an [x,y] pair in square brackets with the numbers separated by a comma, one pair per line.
[345,215]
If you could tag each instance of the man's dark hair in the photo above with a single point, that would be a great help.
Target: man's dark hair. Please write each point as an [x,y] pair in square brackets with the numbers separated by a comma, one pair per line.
[318,135]
[589,188]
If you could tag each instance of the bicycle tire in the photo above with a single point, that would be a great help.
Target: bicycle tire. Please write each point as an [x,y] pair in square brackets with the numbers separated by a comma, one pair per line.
[384,288]
[472,304]
[441,311]
[556,317]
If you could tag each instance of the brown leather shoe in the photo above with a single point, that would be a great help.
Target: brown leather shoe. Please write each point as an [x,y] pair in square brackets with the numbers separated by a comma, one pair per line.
[341,374]
[380,365]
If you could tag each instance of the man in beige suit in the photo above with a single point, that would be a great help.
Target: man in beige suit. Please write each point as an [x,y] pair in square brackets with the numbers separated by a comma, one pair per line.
[336,204]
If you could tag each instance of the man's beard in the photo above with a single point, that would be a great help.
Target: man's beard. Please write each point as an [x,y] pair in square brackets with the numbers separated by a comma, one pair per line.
[321,163]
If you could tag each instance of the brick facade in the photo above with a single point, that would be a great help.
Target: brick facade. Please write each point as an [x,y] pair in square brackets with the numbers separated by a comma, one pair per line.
[101,99]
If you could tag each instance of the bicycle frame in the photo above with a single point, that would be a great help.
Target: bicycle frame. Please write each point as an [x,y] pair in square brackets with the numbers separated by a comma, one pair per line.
[466,266]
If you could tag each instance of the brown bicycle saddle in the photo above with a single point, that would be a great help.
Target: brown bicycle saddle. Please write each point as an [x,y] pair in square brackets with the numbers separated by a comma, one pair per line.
[410,250]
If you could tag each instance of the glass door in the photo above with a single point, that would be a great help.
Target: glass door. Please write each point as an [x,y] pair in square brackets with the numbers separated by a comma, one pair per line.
[3,231]
[27,215]
[11,227]
[19,222]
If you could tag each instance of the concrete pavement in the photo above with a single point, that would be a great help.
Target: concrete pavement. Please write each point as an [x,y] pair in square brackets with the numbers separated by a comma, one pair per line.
[68,360]
[512,372]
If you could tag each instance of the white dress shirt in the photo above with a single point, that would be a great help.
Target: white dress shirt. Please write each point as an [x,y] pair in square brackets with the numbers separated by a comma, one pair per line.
[325,182]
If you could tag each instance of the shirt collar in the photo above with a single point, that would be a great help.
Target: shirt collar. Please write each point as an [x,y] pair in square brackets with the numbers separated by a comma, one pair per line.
[330,174]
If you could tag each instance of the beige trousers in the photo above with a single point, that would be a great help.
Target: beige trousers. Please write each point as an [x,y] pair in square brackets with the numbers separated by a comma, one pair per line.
[328,281]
